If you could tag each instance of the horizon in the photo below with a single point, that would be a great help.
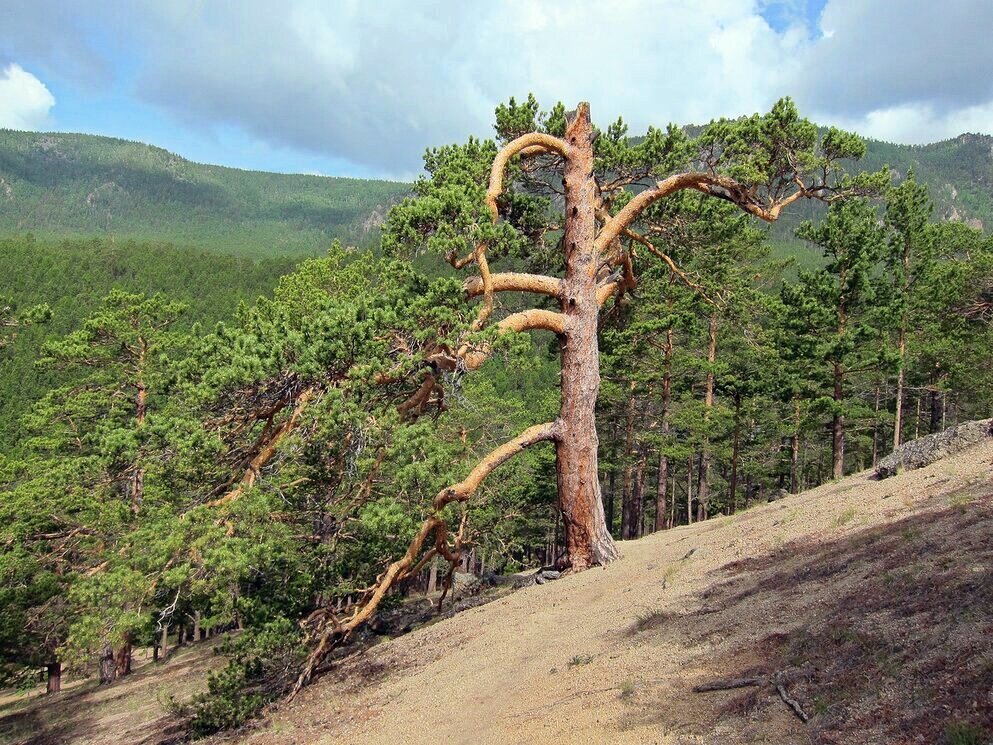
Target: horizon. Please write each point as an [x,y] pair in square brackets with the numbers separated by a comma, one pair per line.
[386,178]
[361,92]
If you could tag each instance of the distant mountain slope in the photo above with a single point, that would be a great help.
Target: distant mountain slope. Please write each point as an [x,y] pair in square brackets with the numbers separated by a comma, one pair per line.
[59,185]
[70,185]
[959,173]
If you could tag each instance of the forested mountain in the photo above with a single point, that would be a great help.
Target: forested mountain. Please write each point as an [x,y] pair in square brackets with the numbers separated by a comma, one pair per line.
[59,185]
[561,337]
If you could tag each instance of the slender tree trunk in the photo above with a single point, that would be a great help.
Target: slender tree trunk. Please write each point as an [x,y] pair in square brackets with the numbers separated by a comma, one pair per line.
[875,430]
[196,626]
[164,642]
[660,494]
[898,415]
[735,451]
[795,448]
[628,511]
[703,491]
[838,425]
[433,576]
[108,670]
[637,497]
[588,541]
[54,681]
[611,487]
[689,490]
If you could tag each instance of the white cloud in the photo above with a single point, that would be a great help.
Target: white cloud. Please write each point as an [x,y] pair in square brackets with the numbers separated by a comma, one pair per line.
[24,100]
[376,83]
[918,123]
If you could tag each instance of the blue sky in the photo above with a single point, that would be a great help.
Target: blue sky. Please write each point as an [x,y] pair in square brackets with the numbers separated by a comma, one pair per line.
[360,89]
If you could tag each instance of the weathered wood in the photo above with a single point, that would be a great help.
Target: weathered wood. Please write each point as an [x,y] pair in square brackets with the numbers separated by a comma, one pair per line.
[728,684]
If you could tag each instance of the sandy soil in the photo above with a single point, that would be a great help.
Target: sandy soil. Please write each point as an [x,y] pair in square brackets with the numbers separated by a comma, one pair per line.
[611,655]
[869,600]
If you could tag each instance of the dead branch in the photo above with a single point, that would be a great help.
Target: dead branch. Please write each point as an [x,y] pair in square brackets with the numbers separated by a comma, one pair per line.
[728,684]
[792,703]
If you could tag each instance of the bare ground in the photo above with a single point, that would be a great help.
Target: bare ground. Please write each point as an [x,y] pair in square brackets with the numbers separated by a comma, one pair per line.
[869,602]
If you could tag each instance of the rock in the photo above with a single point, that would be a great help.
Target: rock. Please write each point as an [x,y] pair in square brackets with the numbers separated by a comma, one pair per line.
[926,450]
[777,495]
[465,584]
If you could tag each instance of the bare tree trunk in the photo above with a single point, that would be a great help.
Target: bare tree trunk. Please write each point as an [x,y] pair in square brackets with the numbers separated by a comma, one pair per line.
[628,512]
[735,452]
[898,414]
[838,426]
[433,575]
[689,490]
[875,430]
[637,497]
[660,493]
[703,492]
[795,448]
[54,681]
[164,642]
[587,539]
[108,670]
[122,663]
[196,626]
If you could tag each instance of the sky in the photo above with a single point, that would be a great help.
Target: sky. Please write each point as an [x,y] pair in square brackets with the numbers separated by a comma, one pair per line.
[350,88]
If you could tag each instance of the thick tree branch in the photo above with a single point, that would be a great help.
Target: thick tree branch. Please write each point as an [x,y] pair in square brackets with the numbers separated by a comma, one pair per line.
[715,185]
[264,455]
[516,282]
[529,144]
[333,634]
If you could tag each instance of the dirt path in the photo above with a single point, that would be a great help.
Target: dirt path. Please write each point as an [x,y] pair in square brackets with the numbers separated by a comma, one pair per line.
[610,655]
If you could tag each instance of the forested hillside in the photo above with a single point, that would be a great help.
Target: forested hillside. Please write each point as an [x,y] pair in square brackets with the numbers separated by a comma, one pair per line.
[60,185]
[71,276]
[562,338]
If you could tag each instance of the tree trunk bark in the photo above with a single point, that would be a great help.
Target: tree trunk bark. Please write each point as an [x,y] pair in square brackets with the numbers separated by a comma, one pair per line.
[433,576]
[838,426]
[898,414]
[660,494]
[689,490]
[164,643]
[588,542]
[794,449]
[703,491]
[875,429]
[108,670]
[122,661]
[735,451]
[54,683]
[637,497]
[628,511]
[196,626]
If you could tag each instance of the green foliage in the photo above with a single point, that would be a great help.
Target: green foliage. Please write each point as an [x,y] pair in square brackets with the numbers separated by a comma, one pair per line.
[263,665]
[60,185]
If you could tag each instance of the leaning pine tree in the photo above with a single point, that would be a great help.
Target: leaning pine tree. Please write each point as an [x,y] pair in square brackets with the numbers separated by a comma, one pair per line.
[557,195]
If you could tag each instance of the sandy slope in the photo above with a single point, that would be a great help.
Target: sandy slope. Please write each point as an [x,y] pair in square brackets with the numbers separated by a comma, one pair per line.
[873,599]
[570,661]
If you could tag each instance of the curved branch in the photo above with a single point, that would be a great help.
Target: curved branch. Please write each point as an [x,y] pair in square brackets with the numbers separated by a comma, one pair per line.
[516,282]
[532,143]
[525,320]
[715,185]
[261,458]
[528,144]
[332,635]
